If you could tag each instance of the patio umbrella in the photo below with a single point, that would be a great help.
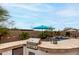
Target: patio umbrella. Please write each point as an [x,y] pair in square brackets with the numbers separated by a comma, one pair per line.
[41,27]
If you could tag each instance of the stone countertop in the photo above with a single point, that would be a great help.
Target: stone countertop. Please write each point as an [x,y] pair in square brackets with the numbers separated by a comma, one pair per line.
[11,45]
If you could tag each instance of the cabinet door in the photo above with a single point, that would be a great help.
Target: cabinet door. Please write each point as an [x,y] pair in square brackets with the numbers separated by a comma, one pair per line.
[17,51]
[31,53]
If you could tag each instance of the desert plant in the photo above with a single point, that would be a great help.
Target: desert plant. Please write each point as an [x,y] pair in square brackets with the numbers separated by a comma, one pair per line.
[50,31]
[24,35]
[58,33]
[43,35]
[3,32]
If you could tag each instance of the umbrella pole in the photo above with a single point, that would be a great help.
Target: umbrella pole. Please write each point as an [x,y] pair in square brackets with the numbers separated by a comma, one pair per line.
[42,32]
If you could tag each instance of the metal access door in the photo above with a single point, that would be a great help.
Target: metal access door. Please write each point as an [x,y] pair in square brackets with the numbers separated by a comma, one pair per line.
[17,51]
[0,53]
[31,53]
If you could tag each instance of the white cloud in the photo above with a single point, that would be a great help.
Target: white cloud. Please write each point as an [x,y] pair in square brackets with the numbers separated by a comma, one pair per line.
[31,7]
[21,16]
[68,12]
[31,10]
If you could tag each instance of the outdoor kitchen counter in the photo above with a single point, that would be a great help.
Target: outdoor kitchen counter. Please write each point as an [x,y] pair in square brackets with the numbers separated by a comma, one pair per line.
[11,45]
[63,44]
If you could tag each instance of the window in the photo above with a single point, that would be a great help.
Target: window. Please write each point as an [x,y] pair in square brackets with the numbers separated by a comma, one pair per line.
[17,51]
[68,34]
[31,53]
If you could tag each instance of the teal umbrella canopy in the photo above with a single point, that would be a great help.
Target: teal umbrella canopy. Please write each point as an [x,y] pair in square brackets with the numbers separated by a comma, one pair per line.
[41,27]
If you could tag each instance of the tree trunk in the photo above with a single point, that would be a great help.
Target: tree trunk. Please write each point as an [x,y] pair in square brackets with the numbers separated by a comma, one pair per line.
[0,39]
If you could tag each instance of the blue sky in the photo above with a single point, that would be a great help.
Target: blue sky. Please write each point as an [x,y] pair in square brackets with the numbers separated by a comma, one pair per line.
[53,14]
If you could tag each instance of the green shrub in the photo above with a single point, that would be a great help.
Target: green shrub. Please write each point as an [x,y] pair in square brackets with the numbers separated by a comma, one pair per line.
[43,35]
[24,35]
[3,31]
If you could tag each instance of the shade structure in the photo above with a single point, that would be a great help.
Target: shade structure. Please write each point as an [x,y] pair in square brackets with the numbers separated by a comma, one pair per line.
[41,27]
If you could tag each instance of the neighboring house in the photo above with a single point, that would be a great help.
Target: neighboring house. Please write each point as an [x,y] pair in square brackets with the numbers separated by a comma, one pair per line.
[70,32]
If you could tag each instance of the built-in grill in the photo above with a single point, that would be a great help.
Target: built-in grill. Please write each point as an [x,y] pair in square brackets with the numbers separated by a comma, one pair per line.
[32,43]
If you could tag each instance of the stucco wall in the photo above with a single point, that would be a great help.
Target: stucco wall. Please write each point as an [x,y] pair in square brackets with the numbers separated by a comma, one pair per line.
[45,52]
[9,52]
[37,52]
[14,35]
[72,51]
[52,52]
